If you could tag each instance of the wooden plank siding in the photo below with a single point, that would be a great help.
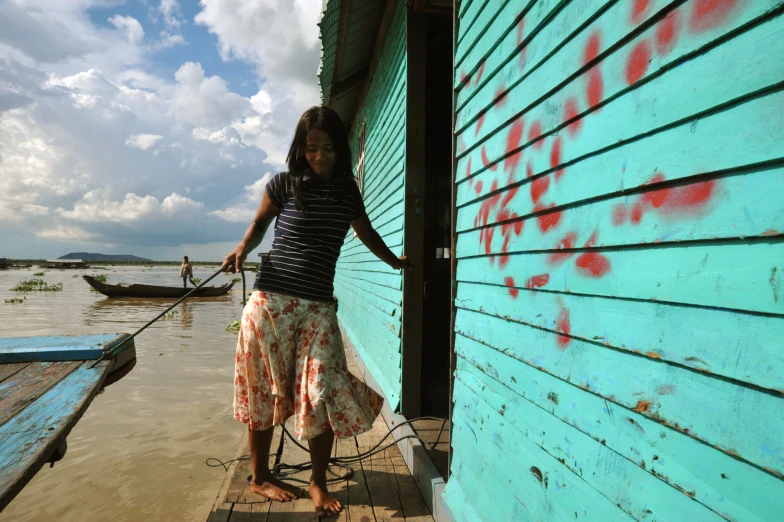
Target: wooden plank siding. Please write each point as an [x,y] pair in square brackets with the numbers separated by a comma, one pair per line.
[368,291]
[620,278]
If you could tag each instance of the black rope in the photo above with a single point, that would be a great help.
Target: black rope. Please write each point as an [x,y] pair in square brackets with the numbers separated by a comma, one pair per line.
[180,300]
[341,462]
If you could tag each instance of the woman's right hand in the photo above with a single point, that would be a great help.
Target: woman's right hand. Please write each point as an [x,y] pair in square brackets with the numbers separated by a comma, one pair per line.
[233,261]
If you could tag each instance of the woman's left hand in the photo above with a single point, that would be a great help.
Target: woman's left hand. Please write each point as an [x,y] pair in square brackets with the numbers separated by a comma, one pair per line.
[402,263]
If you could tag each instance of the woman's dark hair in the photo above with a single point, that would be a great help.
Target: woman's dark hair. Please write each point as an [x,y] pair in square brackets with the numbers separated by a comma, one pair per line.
[326,120]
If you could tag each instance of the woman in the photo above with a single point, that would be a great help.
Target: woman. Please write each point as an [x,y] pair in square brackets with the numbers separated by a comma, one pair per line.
[290,358]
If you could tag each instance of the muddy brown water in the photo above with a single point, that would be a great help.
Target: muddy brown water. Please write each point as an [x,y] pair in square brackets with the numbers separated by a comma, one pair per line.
[138,453]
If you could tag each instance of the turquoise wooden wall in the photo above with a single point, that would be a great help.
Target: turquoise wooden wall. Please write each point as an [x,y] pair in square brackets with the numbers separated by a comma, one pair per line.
[620,274]
[369,292]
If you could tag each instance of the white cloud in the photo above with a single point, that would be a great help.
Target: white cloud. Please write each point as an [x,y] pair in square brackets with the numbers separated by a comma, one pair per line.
[143,141]
[96,207]
[79,101]
[205,101]
[244,209]
[130,26]
[64,233]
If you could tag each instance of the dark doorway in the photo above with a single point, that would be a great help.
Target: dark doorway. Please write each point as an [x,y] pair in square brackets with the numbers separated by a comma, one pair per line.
[437,223]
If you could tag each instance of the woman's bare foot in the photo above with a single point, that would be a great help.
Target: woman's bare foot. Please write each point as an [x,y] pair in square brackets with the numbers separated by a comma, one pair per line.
[274,489]
[326,505]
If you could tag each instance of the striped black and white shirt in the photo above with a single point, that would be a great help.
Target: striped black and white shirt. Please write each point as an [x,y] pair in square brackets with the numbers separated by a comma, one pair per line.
[307,244]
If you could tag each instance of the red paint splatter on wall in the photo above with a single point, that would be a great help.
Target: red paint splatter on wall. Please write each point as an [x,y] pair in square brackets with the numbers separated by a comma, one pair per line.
[468,168]
[488,205]
[555,157]
[593,264]
[520,28]
[563,325]
[518,226]
[479,123]
[538,187]
[595,90]
[529,170]
[637,64]
[480,73]
[537,281]
[512,143]
[510,194]
[636,215]
[591,50]
[683,199]
[510,283]
[486,161]
[549,220]
[619,214]
[499,98]
[478,187]
[709,14]
[464,77]
[639,10]
[571,110]
[535,132]
[667,32]
[568,241]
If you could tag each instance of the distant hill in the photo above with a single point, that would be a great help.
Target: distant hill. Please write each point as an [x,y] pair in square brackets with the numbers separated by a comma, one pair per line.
[86,256]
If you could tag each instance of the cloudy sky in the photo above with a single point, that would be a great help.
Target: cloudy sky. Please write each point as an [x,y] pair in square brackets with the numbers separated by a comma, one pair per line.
[146,127]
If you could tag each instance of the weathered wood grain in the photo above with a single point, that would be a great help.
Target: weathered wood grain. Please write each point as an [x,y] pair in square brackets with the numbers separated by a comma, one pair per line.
[705,275]
[743,422]
[677,95]
[720,481]
[8,369]
[25,387]
[640,494]
[634,220]
[28,439]
[414,507]
[631,165]
[54,348]
[457,502]
[694,337]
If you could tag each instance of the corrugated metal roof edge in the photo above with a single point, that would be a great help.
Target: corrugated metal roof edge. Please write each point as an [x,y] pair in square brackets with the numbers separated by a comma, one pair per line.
[328,34]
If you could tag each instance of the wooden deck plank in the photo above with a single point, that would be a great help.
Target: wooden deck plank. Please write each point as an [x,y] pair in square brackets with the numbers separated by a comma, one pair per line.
[340,490]
[414,507]
[384,492]
[54,348]
[8,369]
[27,440]
[221,510]
[24,387]
[301,509]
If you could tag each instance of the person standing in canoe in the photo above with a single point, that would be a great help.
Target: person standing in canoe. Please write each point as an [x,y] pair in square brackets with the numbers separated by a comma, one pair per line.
[186,272]
[290,358]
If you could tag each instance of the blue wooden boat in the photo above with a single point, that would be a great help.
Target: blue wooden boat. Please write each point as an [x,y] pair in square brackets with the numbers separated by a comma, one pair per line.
[46,384]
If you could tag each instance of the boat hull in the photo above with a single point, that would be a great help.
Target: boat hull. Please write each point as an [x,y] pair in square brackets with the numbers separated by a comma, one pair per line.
[170,292]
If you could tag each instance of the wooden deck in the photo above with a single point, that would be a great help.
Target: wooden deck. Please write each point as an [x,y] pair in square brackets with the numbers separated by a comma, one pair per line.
[380,489]
[46,384]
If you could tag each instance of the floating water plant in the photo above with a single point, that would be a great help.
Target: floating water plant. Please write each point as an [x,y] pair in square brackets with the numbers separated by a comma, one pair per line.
[37,285]
[234,327]
[15,300]
[236,279]
[102,278]
[38,274]
[197,280]
[170,315]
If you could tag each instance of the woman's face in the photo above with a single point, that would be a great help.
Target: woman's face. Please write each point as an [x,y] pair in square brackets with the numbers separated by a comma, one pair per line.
[320,153]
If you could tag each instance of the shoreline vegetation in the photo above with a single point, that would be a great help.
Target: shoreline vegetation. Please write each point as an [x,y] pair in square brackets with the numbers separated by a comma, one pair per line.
[216,264]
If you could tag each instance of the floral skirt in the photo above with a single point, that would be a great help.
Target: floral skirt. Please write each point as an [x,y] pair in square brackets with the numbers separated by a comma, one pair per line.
[290,361]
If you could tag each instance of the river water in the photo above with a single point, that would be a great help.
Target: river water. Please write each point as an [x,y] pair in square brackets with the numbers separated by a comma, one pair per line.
[138,452]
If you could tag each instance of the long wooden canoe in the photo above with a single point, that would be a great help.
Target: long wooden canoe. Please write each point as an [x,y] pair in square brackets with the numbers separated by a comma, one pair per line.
[46,384]
[136,290]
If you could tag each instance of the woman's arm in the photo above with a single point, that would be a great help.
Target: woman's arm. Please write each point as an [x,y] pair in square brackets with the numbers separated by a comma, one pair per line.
[368,235]
[264,215]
